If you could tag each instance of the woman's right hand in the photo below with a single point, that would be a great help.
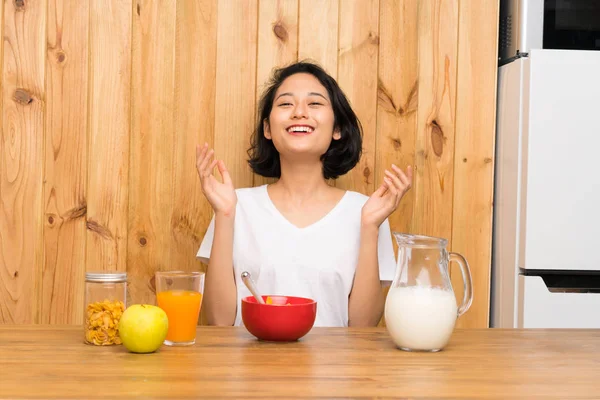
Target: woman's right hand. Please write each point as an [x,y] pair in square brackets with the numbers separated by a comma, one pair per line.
[220,195]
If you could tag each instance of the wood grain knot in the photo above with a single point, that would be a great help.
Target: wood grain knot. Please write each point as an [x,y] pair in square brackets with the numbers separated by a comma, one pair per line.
[280,31]
[50,220]
[102,231]
[16,274]
[61,57]
[76,212]
[19,5]
[373,38]
[385,100]
[139,9]
[367,174]
[143,241]
[397,143]
[437,138]
[413,98]
[387,103]
[487,160]
[23,97]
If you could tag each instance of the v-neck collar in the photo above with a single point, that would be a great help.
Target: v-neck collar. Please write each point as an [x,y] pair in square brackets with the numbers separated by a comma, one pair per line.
[286,222]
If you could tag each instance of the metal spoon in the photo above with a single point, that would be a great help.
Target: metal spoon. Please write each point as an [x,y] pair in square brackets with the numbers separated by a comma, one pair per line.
[247,279]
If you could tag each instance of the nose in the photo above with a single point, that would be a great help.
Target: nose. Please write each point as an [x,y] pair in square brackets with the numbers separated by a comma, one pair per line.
[299,111]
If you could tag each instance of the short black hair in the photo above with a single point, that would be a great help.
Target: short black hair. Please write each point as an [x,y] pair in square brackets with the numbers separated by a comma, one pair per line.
[341,156]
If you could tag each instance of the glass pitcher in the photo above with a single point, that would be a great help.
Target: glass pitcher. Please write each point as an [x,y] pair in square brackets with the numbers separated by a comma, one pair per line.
[420,308]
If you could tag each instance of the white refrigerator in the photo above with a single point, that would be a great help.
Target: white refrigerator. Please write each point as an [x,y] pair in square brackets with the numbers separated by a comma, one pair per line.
[546,230]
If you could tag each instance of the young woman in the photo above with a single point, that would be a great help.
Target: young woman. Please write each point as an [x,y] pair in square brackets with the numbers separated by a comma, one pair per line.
[300,236]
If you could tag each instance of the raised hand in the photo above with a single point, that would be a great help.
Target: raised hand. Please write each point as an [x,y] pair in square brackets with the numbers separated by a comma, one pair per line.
[220,195]
[386,198]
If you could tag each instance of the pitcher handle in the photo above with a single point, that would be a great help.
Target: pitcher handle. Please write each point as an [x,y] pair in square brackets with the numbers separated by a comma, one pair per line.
[467,282]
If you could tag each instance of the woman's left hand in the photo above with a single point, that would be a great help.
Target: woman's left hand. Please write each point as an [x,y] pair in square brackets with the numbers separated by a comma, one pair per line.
[386,198]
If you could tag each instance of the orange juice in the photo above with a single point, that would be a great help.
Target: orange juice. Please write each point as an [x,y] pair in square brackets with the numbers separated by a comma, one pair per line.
[182,308]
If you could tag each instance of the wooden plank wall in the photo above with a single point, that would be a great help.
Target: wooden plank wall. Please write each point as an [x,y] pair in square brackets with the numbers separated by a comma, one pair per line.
[103,102]
[22,160]
[65,162]
[474,151]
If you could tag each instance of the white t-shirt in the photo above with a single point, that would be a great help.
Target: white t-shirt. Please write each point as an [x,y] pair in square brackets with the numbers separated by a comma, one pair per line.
[318,261]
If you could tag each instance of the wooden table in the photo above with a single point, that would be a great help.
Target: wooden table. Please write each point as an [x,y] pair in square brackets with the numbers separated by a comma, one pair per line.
[52,362]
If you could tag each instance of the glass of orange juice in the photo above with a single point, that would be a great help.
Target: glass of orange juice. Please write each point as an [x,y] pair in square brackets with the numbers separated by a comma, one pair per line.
[179,294]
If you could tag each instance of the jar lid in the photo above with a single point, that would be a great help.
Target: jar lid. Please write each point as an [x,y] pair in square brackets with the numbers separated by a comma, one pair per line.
[106,276]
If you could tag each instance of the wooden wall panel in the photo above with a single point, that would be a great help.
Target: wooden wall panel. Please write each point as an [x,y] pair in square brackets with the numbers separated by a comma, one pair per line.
[109,134]
[236,86]
[5,279]
[277,45]
[21,160]
[397,99]
[151,191]
[97,153]
[318,25]
[434,146]
[195,75]
[357,76]
[397,89]
[65,162]
[277,38]
[1,63]
[474,152]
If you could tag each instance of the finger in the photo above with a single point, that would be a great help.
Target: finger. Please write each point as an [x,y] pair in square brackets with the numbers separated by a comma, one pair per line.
[223,171]
[401,175]
[211,167]
[391,186]
[409,174]
[396,180]
[204,167]
[205,176]
[200,160]
[380,190]
[200,153]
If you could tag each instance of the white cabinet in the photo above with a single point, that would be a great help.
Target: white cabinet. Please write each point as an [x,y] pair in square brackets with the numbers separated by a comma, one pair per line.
[547,188]
[541,308]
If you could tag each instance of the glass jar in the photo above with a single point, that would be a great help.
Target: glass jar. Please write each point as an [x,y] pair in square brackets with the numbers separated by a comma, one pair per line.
[105,298]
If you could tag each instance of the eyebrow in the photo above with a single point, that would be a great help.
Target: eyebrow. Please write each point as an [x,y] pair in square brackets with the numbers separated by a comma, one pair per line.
[310,94]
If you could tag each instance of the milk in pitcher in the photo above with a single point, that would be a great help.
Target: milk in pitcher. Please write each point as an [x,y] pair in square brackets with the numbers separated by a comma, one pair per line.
[420,318]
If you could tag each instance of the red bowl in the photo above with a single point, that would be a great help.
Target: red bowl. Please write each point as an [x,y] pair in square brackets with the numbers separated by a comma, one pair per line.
[279,322]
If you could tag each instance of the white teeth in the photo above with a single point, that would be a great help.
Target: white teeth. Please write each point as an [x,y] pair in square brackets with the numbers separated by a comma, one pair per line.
[300,129]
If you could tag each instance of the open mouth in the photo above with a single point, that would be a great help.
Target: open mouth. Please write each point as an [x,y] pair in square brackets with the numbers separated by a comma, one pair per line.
[300,130]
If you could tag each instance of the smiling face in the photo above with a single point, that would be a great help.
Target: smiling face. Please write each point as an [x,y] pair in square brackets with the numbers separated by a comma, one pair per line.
[302,118]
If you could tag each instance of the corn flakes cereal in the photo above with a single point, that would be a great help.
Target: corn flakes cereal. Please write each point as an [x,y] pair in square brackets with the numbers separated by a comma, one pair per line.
[102,322]
[270,302]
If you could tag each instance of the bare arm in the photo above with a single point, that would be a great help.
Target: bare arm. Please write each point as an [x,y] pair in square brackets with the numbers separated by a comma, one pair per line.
[365,305]
[220,295]
[366,301]
[220,291]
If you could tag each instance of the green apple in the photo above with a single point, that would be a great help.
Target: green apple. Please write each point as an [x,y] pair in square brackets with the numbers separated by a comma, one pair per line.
[143,328]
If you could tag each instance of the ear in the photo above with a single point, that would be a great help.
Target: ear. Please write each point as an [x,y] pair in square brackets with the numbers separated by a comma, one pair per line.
[267,129]
[337,135]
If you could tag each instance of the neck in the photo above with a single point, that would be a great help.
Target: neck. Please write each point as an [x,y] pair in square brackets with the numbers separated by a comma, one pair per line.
[301,180]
